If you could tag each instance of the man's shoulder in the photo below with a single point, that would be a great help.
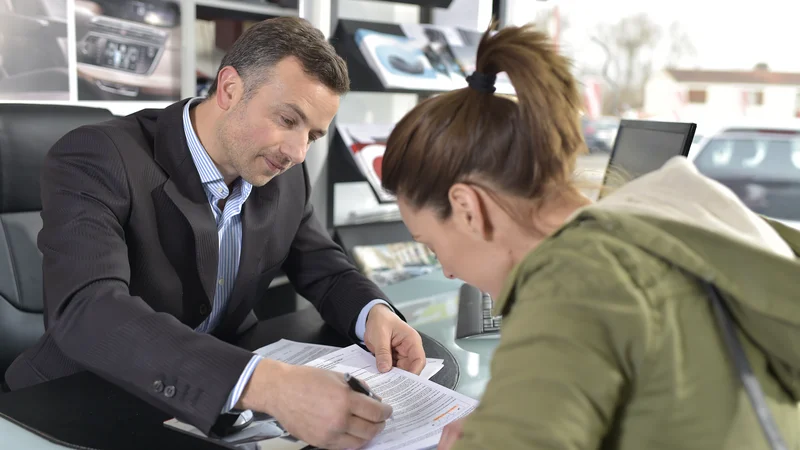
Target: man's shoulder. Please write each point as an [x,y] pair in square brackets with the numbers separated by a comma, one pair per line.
[120,129]
[129,136]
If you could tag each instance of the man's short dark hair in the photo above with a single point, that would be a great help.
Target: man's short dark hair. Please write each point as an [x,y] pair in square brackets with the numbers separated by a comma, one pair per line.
[268,42]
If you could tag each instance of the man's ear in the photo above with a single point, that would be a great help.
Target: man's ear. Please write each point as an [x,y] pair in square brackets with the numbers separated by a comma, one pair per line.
[469,210]
[229,88]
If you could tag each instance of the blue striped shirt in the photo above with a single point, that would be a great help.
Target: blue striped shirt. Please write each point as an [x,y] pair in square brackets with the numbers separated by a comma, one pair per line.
[229,230]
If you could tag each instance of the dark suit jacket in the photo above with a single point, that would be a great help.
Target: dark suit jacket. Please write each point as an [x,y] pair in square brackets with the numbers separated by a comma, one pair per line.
[130,260]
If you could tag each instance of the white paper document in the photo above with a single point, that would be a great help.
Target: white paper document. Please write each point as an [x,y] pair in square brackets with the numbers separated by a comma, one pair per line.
[421,408]
[299,353]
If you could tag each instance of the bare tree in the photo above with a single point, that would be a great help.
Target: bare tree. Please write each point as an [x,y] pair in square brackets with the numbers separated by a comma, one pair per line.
[681,46]
[631,44]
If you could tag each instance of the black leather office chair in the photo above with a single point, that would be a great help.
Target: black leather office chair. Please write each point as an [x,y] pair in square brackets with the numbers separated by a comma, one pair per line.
[26,134]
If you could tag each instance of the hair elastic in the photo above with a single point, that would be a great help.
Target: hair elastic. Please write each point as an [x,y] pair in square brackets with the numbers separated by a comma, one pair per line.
[482,82]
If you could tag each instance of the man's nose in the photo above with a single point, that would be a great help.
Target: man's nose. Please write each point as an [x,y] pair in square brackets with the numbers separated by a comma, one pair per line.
[296,150]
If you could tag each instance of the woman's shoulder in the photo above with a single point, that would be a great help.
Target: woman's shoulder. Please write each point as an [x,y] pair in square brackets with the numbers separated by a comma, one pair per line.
[584,260]
[582,288]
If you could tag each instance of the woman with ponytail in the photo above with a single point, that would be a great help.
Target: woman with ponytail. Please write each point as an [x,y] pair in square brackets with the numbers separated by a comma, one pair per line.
[628,323]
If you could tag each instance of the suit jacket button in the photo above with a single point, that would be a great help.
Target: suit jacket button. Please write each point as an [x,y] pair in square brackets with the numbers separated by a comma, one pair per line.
[203,310]
[158,386]
[169,391]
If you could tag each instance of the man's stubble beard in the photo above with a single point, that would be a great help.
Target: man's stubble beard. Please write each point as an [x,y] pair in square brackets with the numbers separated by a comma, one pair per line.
[235,150]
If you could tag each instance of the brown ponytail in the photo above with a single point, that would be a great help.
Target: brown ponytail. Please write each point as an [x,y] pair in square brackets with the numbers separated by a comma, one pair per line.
[521,147]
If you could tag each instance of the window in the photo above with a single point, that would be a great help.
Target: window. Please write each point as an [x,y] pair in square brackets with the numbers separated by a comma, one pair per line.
[697,96]
[797,104]
[753,98]
[758,98]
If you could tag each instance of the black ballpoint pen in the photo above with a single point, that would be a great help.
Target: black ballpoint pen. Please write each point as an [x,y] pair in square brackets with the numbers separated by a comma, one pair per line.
[359,387]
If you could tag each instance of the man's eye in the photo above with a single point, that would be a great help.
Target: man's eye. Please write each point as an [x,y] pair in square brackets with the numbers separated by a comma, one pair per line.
[288,122]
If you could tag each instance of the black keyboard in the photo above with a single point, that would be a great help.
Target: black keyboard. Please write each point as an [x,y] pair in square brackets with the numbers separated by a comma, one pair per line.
[475,318]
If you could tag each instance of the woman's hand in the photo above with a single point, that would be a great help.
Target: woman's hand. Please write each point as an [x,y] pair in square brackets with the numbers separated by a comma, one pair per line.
[451,433]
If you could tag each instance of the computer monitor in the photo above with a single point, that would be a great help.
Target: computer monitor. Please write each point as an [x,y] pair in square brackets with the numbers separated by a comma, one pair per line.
[642,146]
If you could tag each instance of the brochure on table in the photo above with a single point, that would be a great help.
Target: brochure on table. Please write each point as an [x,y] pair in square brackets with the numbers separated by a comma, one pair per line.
[421,408]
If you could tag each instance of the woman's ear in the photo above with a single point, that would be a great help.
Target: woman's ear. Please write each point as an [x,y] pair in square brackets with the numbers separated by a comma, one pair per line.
[469,211]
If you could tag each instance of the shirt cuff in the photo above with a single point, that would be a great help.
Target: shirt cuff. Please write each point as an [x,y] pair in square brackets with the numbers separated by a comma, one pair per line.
[361,322]
[233,398]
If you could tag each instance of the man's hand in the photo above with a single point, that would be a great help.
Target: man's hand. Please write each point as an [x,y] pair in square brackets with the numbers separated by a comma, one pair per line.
[314,405]
[452,432]
[393,342]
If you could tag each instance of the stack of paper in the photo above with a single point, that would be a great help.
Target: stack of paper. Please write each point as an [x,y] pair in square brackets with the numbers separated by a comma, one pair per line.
[421,408]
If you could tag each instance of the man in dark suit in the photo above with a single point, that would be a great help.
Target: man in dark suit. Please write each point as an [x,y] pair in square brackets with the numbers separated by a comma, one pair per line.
[161,231]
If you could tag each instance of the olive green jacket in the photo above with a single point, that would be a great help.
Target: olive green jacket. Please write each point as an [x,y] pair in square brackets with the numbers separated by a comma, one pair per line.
[609,341]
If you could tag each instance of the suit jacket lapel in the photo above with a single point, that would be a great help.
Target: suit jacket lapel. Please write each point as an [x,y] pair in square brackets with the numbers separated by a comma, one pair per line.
[204,228]
[258,219]
[185,190]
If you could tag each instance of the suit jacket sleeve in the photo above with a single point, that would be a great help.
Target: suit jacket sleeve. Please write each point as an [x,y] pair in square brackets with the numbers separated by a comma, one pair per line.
[95,321]
[322,273]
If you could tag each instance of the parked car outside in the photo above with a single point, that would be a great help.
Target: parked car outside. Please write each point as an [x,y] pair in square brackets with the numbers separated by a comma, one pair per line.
[600,133]
[761,165]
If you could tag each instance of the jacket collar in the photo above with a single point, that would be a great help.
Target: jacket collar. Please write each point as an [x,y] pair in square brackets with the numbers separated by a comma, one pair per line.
[171,152]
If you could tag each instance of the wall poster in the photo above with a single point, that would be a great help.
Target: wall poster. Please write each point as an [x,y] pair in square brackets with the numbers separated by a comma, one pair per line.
[33,50]
[128,50]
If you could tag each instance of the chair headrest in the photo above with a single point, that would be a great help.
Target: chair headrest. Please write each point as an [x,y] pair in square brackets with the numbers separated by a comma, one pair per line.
[26,134]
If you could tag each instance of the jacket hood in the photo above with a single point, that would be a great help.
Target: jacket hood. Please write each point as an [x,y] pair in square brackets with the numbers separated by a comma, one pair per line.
[699,225]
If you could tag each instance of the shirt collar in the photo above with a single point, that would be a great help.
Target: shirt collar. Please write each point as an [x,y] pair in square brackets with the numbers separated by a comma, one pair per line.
[210,176]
